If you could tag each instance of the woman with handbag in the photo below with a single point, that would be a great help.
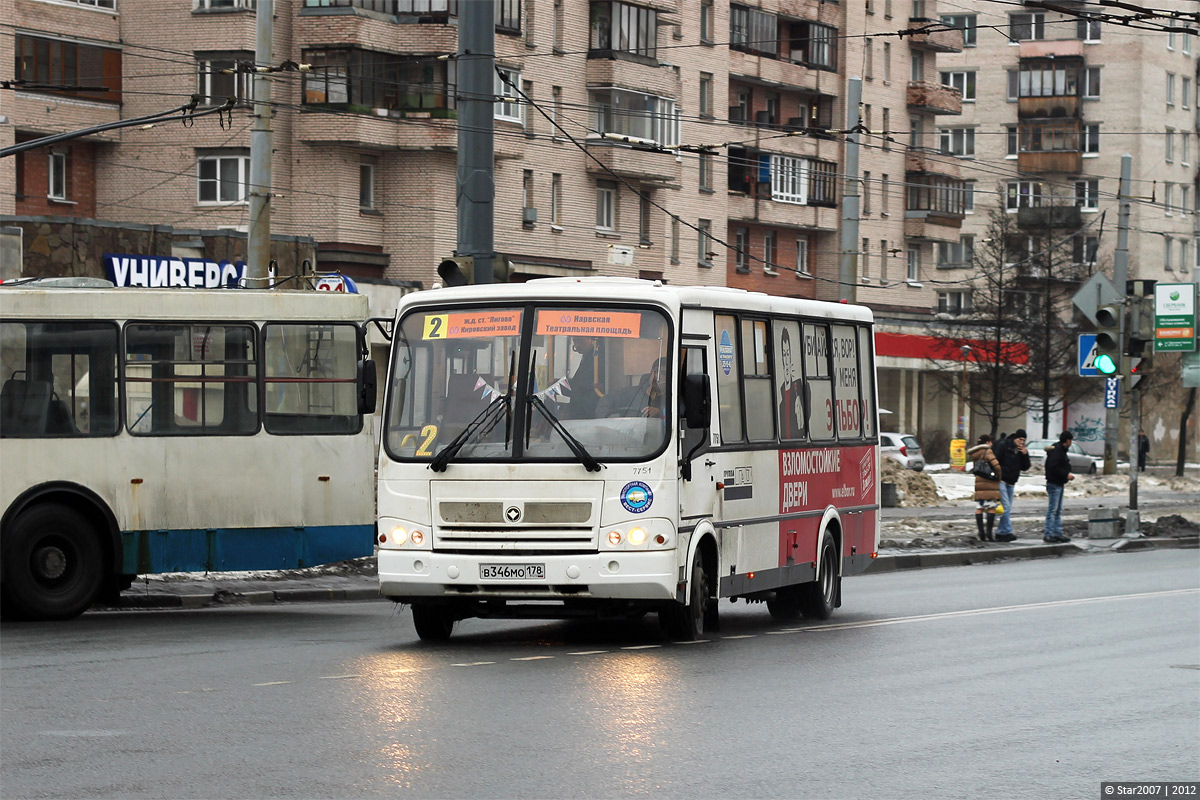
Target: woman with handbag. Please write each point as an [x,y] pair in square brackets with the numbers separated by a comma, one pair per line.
[986,469]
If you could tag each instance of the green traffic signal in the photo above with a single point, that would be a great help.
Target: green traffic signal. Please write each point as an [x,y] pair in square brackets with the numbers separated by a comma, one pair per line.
[1105,364]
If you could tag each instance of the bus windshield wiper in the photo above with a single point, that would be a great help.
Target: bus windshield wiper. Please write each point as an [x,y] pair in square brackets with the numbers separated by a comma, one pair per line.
[587,459]
[488,416]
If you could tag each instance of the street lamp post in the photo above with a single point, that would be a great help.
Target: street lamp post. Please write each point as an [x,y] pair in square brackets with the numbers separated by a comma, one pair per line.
[962,393]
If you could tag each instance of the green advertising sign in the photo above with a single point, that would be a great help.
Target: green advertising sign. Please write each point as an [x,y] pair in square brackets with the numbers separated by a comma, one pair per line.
[1174,317]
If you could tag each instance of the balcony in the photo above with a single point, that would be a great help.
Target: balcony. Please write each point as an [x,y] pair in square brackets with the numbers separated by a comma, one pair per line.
[1067,161]
[932,226]
[1050,216]
[918,160]
[935,41]
[380,129]
[759,208]
[1063,107]
[934,98]
[643,163]
[650,79]
[1051,48]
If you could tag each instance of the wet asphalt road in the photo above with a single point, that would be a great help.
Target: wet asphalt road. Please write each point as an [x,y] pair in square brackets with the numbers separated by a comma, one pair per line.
[1029,679]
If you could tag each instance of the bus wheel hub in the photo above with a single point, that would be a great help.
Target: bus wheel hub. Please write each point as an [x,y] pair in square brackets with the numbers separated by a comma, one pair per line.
[50,562]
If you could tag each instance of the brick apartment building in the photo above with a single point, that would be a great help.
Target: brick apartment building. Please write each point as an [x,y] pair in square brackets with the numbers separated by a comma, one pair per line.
[365,140]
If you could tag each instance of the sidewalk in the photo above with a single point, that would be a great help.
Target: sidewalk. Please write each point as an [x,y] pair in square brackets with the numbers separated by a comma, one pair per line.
[356,580]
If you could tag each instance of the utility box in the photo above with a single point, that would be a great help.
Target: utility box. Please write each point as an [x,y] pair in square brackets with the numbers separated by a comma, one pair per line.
[1104,523]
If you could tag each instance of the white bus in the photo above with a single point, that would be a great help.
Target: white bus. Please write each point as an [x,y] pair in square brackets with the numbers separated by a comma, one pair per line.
[610,447]
[167,430]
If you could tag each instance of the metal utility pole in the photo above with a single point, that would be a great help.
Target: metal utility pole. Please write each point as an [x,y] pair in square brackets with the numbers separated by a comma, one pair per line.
[258,255]
[1133,517]
[1112,419]
[476,106]
[848,272]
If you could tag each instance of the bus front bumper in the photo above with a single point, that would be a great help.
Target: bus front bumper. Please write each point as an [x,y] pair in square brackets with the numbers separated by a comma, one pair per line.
[622,575]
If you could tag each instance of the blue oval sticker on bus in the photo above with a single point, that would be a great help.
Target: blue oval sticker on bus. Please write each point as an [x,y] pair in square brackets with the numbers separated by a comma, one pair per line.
[636,497]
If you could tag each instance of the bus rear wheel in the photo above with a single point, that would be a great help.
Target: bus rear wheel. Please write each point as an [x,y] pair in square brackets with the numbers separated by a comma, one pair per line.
[433,622]
[818,599]
[53,564]
[686,622]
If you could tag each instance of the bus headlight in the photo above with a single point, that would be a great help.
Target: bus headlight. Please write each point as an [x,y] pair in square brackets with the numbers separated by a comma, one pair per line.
[614,538]
[637,537]
[396,534]
[399,536]
[650,534]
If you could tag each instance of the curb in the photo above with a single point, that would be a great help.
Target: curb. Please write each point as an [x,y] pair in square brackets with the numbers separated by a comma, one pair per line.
[225,597]
[961,558]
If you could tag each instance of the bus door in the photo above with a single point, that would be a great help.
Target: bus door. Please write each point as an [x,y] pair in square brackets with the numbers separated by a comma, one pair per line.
[698,495]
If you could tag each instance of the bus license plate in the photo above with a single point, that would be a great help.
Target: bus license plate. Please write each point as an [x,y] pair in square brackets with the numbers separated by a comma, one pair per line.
[512,572]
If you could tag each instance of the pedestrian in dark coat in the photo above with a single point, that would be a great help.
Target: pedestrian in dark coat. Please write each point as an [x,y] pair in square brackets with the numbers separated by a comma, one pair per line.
[1014,459]
[1143,450]
[1058,475]
[987,493]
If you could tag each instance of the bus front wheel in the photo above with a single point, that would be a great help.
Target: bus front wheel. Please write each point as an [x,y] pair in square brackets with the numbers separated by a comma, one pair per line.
[818,599]
[433,622]
[53,564]
[686,622]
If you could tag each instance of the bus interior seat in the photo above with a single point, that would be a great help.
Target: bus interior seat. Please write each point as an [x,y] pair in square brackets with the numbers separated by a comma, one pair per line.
[24,405]
[58,417]
[463,401]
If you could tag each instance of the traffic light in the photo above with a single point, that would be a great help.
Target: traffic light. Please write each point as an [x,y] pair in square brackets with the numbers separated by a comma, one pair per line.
[457,271]
[1141,317]
[1136,370]
[1108,339]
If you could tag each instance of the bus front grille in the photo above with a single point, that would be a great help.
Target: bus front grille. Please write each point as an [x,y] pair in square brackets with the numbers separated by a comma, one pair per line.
[533,512]
[512,540]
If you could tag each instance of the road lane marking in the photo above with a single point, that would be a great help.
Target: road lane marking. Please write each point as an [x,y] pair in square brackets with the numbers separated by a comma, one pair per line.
[975,612]
[473,664]
[641,647]
[531,658]
[741,636]
[271,683]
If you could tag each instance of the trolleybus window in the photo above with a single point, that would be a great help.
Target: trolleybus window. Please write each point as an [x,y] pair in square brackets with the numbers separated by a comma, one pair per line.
[760,419]
[729,379]
[817,382]
[846,385]
[190,379]
[866,373]
[59,379]
[311,376]
[790,390]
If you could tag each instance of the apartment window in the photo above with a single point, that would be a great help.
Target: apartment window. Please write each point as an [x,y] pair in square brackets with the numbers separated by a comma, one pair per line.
[963,81]
[704,252]
[1168,197]
[366,184]
[801,256]
[556,199]
[814,45]
[96,3]
[887,129]
[606,205]
[1187,42]
[1170,40]
[527,188]
[770,252]
[887,61]
[1024,27]
[1022,194]
[556,109]
[1087,194]
[706,98]
[917,66]
[1170,88]
[741,248]
[1084,249]
[674,240]
[1185,92]
[633,114]
[918,9]
[219,77]
[866,193]
[1091,83]
[57,177]
[622,27]
[557,31]
[883,194]
[958,141]
[706,172]
[964,22]
[955,303]
[1184,198]
[1014,90]
[935,193]
[1169,145]
[223,178]
[789,179]
[1185,148]
[1087,28]
[866,122]
[1091,139]
[1011,139]
[1168,248]
[869,60]
[527,91]
[508,106]
[753,31]
[883,260]
[956,254]
[706,21]
[364,79]
[54,62]
[914,264]
[644,216]
[228,3]
[968,197]
[916,132]
[864,258]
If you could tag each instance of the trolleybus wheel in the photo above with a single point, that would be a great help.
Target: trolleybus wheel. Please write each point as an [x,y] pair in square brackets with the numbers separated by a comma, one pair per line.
[817,599]
[785,605]
[686,622]
[433,622]
[53,564]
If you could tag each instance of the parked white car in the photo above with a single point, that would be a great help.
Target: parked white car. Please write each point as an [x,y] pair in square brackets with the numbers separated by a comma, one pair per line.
[902,448]
[1081,463]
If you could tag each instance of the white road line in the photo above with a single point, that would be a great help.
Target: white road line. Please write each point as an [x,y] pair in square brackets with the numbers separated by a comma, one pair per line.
[741,636]
[641,647]
[975,612]
[531,658]
[587,653]
[694,641]
[271,683]
[473,664]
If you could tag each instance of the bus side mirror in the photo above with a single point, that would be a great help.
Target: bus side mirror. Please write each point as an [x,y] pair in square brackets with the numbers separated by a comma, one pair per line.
[697,410]
[368,381]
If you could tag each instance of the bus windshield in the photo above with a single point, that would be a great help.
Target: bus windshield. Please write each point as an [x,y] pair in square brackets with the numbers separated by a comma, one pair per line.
[603,373]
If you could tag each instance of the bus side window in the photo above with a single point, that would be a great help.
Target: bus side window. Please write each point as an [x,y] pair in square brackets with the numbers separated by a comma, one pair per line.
[693,364]
[729,380]
[818,386]
[848,409]
[760,419]
[789,389]
[866,372]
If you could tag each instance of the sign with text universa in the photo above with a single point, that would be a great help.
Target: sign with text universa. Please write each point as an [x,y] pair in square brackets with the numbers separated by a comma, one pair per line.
[179,273]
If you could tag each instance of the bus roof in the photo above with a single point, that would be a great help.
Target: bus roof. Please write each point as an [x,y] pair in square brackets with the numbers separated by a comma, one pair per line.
[605,289]
[29,301]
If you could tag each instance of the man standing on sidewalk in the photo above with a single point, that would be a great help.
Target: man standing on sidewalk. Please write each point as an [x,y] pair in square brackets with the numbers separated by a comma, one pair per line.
[1058,475]
[1014,459]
